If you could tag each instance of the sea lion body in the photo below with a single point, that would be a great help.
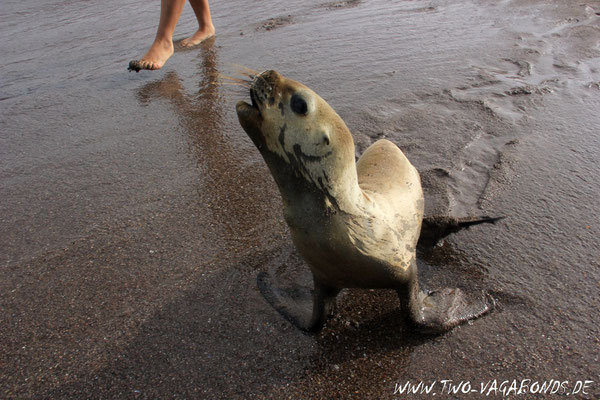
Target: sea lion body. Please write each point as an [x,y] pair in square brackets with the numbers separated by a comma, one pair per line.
[371,242]
[356,224]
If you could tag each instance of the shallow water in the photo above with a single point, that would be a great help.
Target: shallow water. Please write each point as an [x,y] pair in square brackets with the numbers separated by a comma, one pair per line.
[136,214]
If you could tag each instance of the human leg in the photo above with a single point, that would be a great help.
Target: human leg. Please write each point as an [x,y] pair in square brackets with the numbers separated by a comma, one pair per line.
[206,28]
[162,47]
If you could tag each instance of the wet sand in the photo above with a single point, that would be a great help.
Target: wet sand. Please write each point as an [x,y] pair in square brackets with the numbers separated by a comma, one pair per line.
[136,214]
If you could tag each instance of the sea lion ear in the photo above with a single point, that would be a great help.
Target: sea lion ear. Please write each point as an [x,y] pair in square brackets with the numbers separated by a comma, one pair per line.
[325,140]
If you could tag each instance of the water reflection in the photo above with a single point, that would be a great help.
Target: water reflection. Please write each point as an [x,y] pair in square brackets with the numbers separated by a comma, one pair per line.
[225,185]
[369,323]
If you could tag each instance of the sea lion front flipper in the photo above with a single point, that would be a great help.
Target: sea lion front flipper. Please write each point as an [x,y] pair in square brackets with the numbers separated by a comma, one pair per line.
[442,310]
[294,304]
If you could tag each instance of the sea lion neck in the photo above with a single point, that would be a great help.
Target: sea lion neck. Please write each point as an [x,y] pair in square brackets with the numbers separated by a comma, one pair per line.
[344,191]
[323,191]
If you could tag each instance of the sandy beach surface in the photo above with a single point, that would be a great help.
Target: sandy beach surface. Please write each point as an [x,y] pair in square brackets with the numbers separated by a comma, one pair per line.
[135,213]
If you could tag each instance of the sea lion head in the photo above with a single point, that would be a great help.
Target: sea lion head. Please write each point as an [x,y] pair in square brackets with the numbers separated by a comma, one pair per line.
[296,130]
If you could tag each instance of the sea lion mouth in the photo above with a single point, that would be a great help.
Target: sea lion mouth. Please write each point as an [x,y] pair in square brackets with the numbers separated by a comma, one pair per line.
[250,116]
[253,110]
[253,99]
[248,112]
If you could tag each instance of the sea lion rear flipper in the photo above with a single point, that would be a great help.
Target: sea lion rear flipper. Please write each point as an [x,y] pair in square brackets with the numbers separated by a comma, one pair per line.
[437,227]
[294,303]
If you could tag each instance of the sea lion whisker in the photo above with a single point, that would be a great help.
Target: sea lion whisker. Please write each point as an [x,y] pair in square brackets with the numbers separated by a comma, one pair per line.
[227,83]
[246,71]
[231,78]
[236,85]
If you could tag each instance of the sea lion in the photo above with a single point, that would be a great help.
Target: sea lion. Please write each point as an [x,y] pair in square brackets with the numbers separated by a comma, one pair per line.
[355,224]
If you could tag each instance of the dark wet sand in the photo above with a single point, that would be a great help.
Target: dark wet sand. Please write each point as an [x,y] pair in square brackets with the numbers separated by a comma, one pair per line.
[136,214]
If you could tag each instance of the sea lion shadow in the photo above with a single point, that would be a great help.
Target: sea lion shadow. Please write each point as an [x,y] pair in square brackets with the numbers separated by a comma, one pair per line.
[382,335]
[363,323]
[212,334]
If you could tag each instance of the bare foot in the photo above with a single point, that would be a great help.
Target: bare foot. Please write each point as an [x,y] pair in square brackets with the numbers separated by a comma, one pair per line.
[155,58]
[200,36]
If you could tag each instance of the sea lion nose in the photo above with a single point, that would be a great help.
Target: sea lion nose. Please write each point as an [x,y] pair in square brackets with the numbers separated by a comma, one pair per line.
[269,76]
[263,85]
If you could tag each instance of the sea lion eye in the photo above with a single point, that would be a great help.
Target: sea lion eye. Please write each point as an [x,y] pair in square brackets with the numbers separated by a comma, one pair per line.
[298,104]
